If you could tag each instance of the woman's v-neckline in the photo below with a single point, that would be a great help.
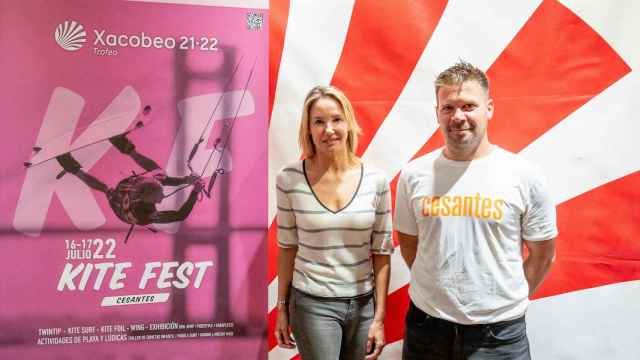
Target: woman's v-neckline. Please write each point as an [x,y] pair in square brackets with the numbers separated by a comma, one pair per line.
[355,193]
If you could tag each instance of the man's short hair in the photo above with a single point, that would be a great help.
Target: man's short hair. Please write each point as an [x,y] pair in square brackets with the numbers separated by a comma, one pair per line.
[460,72]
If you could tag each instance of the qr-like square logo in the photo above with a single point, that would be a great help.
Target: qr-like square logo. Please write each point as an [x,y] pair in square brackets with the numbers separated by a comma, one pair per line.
[254,21]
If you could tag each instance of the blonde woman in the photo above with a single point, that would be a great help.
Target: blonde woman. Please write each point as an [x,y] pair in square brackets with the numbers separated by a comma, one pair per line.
[334,234]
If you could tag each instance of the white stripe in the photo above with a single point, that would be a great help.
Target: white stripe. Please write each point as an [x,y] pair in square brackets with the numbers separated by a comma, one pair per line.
[478,39]
[312,47]
[616,21]
[399,270]
[392,351]
[273,294]
[598,323]
[254,4]
[278,353]
[594,143]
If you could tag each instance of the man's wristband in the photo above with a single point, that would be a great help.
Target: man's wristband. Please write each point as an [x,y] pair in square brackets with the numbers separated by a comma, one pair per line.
[282,303]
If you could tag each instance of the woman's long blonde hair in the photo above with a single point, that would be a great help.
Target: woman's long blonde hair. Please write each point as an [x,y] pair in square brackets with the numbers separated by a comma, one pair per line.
[304,136]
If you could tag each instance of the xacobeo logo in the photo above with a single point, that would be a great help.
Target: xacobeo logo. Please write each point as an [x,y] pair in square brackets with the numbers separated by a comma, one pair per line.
[70,35]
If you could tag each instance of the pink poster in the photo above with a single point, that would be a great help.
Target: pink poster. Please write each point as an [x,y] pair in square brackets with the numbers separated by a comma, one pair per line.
[134,181]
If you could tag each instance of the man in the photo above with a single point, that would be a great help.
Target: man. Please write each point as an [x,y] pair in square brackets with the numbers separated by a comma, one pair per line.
[463,214]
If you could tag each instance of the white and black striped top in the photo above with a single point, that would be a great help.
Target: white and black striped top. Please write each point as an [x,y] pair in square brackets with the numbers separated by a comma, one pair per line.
[334,248]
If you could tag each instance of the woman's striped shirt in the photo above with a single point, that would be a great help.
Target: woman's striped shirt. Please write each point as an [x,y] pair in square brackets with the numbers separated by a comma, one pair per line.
[334,248]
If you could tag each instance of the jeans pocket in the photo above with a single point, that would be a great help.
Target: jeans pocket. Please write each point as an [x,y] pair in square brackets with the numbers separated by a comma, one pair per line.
[507,332]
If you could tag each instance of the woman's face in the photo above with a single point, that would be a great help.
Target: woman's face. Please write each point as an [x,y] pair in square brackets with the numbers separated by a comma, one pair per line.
[327,126]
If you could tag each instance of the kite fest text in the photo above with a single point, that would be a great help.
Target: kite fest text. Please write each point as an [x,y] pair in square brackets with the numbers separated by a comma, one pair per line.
[162,274]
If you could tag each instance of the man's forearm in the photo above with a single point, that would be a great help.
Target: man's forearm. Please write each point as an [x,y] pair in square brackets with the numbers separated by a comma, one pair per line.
[538,263]
[408,248]
[535,271]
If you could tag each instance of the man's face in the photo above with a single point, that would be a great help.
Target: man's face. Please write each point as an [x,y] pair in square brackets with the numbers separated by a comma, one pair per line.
[463,112]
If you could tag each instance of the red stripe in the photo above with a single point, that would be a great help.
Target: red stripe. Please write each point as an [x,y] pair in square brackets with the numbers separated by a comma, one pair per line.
[271,326]
[278,16]
[394,185]
[272,273]
[397,306]
[435,141]
[272,251]
[598,243]
[554,65]
[383,45]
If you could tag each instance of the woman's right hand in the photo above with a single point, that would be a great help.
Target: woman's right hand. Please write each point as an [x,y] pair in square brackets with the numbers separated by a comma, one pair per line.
[282,332]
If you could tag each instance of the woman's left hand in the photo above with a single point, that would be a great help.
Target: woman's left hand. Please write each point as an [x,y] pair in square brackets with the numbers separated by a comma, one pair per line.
[375,340]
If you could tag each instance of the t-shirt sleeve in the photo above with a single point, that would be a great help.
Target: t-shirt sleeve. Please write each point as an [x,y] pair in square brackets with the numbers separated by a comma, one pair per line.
[539,220]
[381,242]
[285,217]
[405,220]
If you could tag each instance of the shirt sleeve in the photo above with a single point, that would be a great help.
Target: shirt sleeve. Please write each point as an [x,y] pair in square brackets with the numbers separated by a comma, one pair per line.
[285,217]
[539,220]
[381,242]
[405,219]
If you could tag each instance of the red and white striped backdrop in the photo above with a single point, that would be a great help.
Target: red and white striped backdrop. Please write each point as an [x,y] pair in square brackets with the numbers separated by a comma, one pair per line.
[566,90]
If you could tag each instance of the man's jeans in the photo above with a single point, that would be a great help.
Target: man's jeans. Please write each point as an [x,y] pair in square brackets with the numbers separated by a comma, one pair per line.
[330,328]
[430,338]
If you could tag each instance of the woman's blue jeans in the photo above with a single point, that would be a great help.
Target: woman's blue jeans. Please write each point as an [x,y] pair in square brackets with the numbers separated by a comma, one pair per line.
[330,328]
[430,338]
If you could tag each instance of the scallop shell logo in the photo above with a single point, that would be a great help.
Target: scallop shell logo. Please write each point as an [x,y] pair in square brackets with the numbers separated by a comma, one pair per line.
[70,35]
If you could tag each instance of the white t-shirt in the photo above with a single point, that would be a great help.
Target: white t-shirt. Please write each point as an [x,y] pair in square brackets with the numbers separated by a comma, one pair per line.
[334,248]
[470,218]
